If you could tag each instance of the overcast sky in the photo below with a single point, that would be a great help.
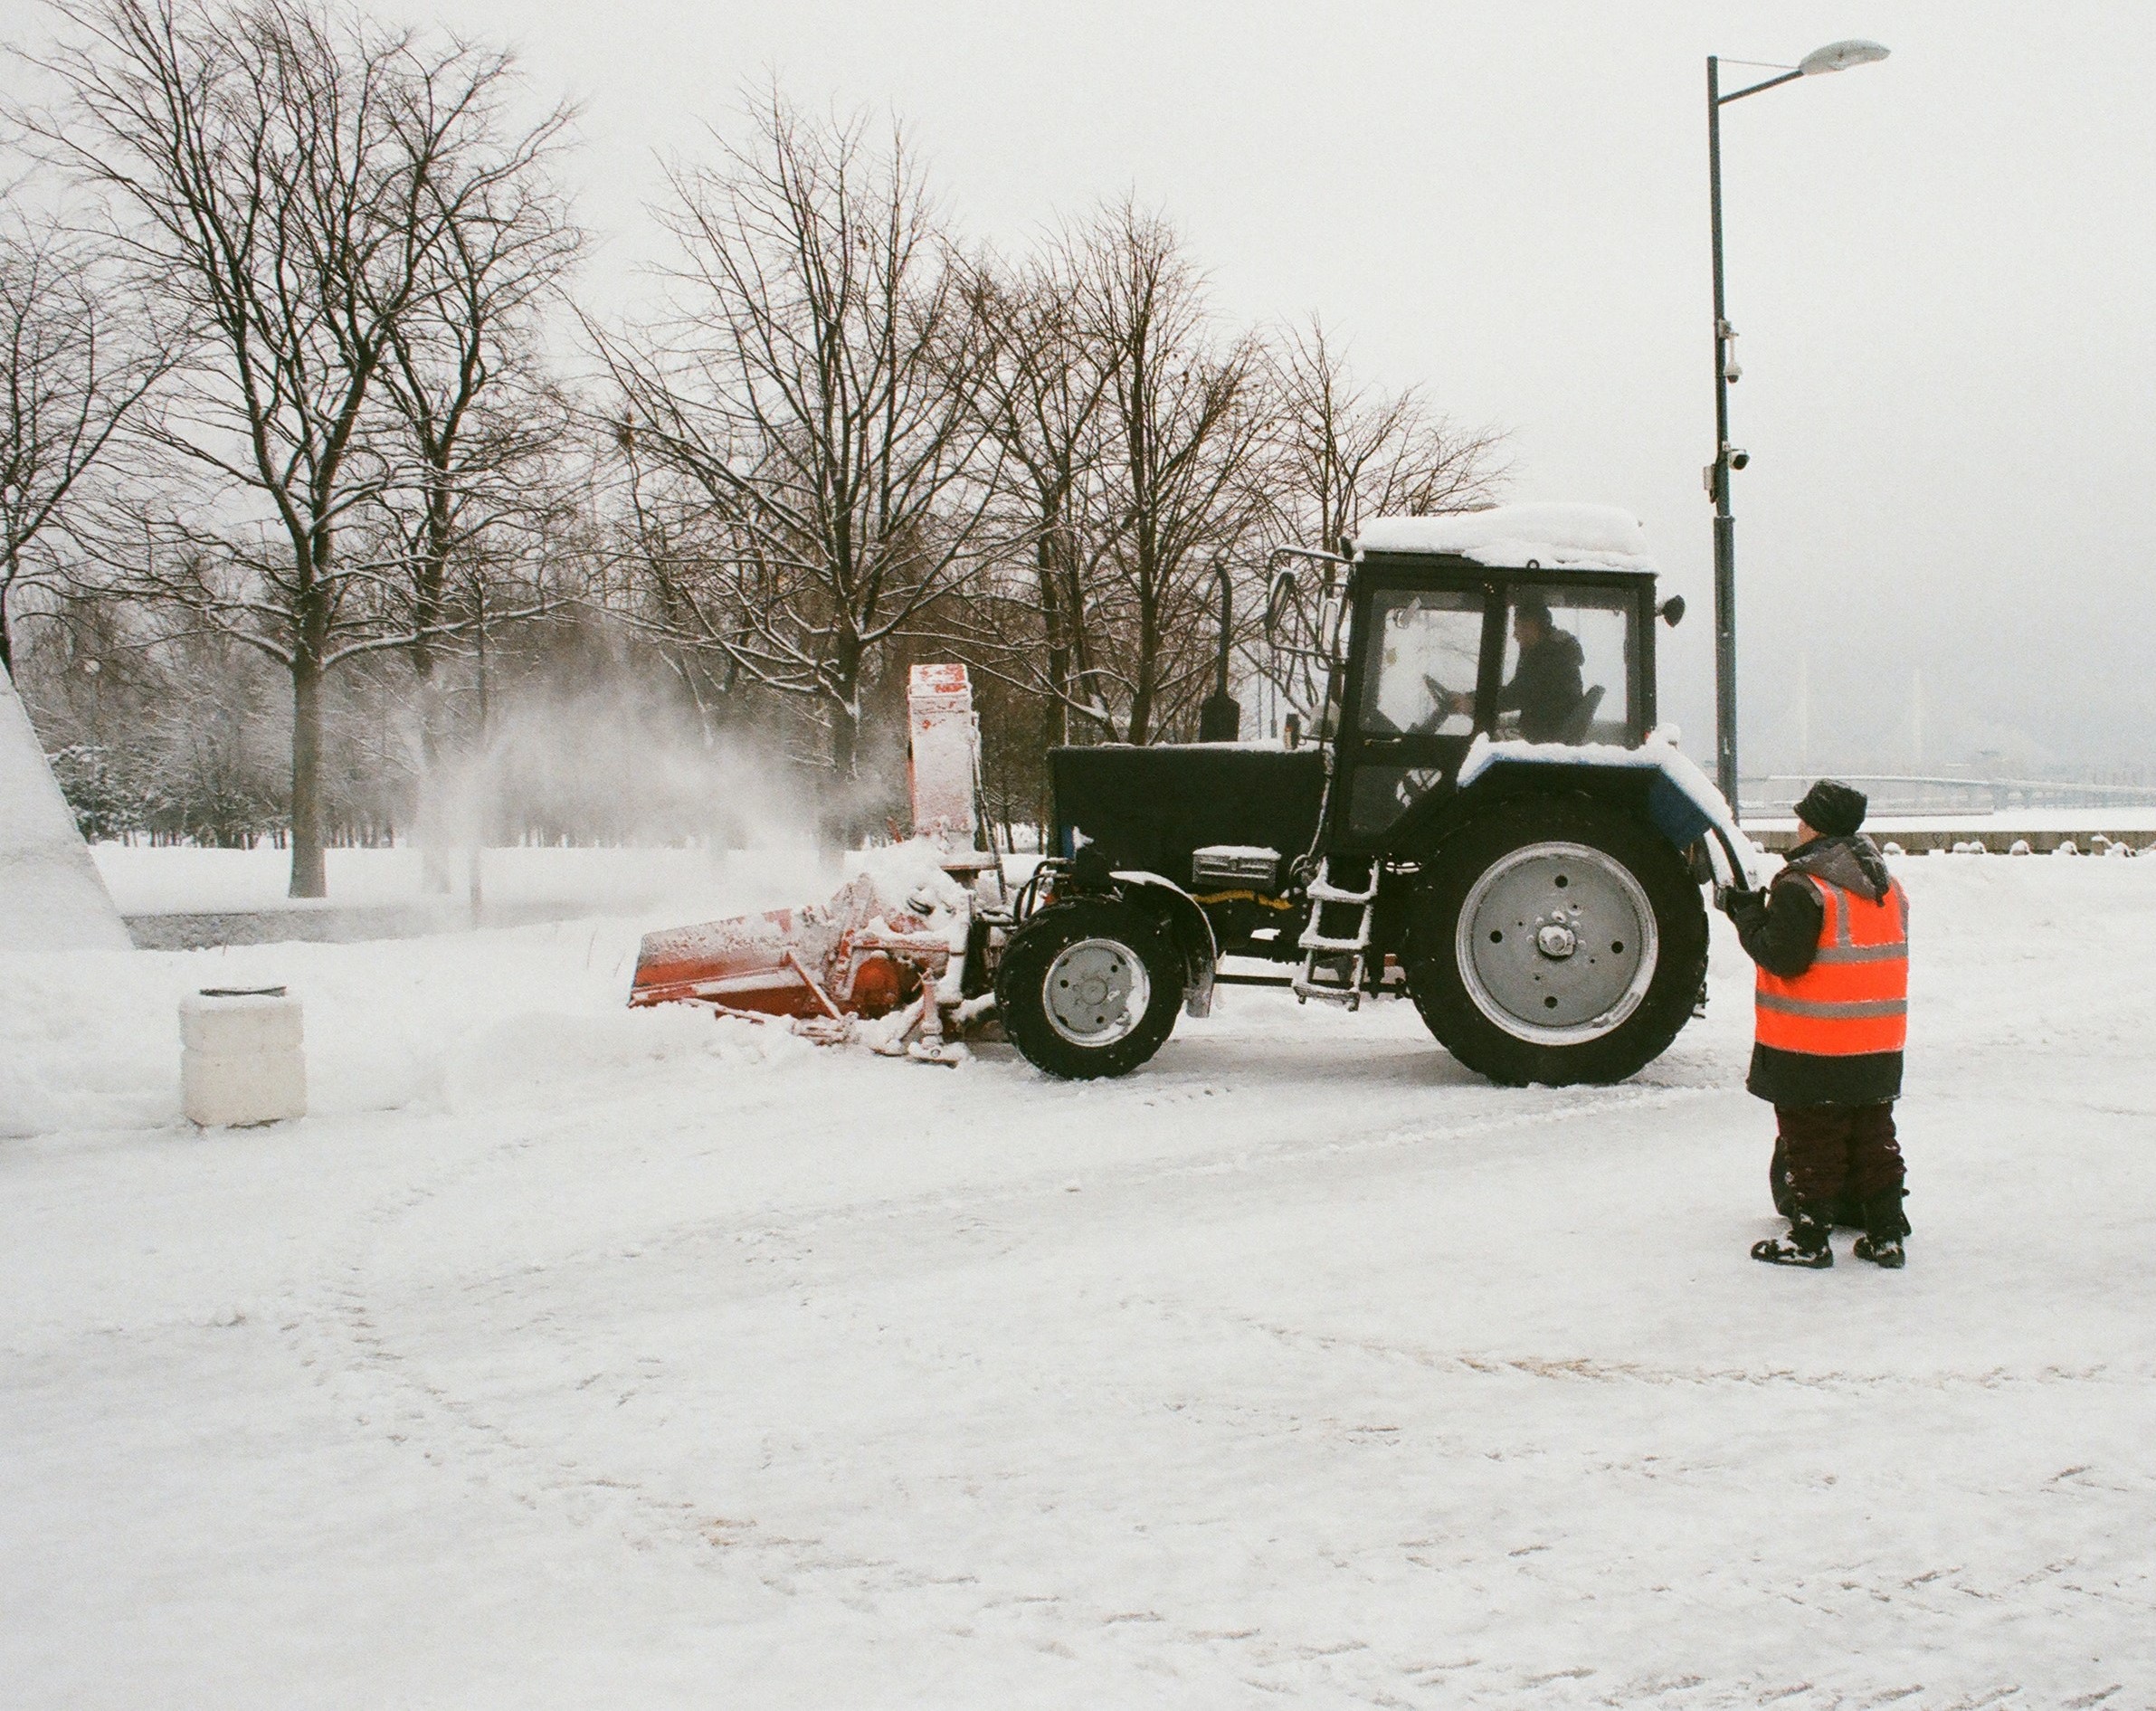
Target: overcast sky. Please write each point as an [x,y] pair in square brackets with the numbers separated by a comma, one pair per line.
[1941,268]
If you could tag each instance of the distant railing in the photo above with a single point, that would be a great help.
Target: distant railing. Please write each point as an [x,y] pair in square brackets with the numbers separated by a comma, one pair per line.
[1909,794]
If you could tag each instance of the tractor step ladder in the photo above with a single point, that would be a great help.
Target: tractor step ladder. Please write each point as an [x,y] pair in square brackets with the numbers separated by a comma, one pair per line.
[1328,941]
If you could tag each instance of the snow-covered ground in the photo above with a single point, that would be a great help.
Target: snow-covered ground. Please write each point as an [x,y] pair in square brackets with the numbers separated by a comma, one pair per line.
[145,880]
[570,1357]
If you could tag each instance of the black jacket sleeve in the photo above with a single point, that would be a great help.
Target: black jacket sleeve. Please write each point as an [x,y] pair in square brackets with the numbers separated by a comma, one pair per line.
[1780,927]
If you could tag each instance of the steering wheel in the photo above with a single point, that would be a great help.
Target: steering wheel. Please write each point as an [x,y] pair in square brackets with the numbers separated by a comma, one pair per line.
[1442,701]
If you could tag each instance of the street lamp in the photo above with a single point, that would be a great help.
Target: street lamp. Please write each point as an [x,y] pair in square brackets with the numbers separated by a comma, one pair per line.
[1836,56]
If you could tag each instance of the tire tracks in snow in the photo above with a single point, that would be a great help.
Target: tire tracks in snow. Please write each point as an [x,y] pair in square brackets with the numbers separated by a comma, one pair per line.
[347,1337]
[353,1338]
[343,1340]
[1240,1161]
[1588,1369]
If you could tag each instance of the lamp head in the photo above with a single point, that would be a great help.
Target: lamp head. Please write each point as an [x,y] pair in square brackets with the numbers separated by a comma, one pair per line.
[1840,56]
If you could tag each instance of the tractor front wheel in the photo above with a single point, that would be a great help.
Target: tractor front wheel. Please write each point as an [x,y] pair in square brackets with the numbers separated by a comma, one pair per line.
[1556,940]
[1088,988]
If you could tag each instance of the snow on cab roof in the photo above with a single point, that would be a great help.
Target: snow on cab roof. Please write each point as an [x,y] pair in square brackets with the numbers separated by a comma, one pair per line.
[1555,537]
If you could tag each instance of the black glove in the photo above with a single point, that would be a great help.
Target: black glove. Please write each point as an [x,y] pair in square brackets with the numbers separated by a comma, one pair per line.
[1739,903]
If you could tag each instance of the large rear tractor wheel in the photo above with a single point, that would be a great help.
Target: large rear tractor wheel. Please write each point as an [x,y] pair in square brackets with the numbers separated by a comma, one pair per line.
[1088,988]
[1557,940]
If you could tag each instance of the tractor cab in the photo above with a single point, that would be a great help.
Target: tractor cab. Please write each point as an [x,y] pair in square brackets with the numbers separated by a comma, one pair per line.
[1431,648]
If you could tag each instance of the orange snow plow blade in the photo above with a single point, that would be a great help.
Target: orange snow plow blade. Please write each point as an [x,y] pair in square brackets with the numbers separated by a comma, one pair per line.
[864,954]
[849,957]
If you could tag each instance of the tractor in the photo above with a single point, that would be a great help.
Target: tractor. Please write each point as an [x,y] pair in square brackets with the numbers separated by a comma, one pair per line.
[1529,878]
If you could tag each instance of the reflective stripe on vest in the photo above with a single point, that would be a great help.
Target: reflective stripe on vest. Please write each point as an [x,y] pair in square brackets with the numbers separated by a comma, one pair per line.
[1854,999]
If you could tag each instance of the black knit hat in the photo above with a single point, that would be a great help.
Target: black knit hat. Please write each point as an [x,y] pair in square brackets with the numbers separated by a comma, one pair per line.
[1833,808]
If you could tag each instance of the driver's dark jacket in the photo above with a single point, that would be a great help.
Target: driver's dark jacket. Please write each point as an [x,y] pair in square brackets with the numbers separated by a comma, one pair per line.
[1545,686]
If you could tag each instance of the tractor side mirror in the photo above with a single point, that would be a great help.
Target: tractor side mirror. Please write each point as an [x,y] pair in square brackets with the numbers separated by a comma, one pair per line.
[1329,627]
[1673,611]
[1288,620]
[1276,602]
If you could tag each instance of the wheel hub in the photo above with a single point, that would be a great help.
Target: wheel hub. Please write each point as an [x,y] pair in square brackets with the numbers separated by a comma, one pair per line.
[1556,943]
[1095,992]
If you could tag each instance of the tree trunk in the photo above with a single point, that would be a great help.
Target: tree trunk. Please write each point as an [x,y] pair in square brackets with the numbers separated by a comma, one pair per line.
[1055,712]
[846,720]
[308,877]
[1141,700]
[1149,638]
[839,821]
[1056,626]
[435,832]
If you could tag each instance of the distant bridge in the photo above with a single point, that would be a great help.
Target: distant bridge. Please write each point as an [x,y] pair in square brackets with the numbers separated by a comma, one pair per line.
[1912,793]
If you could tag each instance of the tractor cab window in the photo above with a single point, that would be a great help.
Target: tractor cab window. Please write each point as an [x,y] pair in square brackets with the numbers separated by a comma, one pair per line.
[1426,646]
[1567,666]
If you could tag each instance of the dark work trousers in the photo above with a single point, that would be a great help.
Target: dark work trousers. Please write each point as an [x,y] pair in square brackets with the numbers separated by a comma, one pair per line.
[1839,1155]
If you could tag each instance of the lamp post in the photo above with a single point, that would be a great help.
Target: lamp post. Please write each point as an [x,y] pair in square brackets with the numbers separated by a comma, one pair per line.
[1836,56]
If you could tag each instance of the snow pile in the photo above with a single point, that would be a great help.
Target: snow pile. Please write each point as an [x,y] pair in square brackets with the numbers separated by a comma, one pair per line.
[1555,537]
[909,879]
[51,897]
[528,1060]
[465,1021]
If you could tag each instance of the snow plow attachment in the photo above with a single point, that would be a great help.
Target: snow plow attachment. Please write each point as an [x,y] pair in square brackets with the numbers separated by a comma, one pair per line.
[884,943]
[849,957]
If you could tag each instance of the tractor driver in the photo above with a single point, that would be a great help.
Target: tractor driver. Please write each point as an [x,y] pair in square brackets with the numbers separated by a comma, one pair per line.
[1547,685]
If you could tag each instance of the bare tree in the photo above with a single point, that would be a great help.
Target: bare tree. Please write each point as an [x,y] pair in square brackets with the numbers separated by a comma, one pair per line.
[1044,396]
[74,362]
[1343,451]
[1340,452]
[272,167]
[1129,429]
[809,399]
[475,484]
[1176,485]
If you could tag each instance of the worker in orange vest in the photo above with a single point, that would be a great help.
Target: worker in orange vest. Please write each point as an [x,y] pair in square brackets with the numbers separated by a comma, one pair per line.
[1831,939]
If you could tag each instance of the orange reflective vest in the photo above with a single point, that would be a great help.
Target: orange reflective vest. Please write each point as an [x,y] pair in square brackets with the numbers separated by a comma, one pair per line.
[1854,999]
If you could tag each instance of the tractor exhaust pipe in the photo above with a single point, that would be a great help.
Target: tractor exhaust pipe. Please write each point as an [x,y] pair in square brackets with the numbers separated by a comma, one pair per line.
[1220,718]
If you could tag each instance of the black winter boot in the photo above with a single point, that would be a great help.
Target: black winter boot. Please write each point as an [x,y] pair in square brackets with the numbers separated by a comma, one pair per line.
[1883,1228]
[1807,1245]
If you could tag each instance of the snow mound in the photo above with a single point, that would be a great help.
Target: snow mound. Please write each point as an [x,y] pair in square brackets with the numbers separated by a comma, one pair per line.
[1555,537]
[909,879]
[50,897]
[536,1057]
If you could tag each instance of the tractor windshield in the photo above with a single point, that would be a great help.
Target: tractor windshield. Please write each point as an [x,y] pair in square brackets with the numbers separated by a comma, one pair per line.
[1421,676]
[1567,666]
